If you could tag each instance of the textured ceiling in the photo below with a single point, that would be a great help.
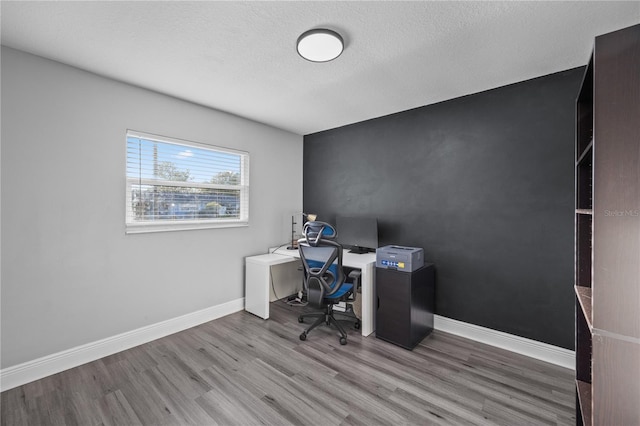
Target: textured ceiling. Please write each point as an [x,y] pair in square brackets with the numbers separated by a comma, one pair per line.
[240,57]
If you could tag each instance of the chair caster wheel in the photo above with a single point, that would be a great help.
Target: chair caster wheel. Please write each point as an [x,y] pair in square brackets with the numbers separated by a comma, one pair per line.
[357,325]
[343,340]
[303,336]
[300,319]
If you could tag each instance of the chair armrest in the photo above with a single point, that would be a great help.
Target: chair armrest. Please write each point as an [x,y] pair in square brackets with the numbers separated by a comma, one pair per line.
[354,277]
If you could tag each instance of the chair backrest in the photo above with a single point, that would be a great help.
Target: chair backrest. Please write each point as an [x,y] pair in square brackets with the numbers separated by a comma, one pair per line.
[321,258]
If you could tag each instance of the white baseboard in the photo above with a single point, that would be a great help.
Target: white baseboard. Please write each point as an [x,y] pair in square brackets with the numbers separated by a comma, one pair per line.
[29,371]
[532,348]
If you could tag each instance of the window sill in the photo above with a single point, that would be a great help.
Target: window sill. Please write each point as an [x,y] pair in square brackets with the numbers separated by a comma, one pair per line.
[144,228]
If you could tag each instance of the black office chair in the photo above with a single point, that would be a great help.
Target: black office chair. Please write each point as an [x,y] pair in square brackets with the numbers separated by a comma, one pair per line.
[324,280]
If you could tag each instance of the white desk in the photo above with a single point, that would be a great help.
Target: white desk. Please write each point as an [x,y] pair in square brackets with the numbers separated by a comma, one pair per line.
[260,269]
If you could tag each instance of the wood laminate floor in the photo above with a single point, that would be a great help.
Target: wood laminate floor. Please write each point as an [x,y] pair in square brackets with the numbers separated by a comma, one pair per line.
[242,370]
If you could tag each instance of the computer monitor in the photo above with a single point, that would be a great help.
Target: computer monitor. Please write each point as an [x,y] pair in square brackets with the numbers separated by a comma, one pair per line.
[359,234]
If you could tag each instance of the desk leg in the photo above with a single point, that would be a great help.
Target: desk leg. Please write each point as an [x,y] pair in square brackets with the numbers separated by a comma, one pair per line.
[256,289]
[369,303]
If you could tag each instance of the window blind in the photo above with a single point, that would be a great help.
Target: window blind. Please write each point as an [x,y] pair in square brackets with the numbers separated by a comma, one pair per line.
[174,184]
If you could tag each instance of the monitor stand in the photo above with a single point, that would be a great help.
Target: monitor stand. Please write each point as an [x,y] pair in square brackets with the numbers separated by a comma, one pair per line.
[359,250]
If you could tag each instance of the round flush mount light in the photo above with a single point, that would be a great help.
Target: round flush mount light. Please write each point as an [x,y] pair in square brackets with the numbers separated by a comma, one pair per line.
[320,45]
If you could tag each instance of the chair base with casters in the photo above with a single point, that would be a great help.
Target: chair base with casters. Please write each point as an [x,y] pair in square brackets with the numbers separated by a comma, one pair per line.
[327,317]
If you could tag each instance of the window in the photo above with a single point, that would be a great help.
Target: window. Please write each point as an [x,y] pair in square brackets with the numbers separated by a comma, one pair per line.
[174,185]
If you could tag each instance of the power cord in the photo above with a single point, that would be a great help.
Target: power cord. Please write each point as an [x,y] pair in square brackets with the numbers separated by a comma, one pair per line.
[271,273]
[273,288]
[281,245]
[293,302]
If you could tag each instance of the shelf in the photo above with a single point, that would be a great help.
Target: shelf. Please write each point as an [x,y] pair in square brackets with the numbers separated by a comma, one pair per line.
[585,153]
[584,398]
[584,296]
[585,211]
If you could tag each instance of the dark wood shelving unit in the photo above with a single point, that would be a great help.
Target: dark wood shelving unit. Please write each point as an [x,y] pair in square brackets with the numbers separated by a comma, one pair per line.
[607,233]
[584,246]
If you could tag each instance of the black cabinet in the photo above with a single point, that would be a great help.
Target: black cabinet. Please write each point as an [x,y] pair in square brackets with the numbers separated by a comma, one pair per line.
[405,305]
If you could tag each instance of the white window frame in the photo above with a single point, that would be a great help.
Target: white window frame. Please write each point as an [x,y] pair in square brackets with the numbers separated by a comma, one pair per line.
[162,225]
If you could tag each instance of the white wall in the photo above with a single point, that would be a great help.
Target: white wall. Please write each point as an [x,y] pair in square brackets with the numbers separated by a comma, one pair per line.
[70,275]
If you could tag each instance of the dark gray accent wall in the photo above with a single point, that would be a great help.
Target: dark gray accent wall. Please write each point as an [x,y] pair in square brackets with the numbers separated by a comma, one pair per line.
[484,183]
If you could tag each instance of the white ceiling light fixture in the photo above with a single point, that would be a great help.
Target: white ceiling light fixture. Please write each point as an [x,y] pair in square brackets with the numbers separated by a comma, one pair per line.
[320,45]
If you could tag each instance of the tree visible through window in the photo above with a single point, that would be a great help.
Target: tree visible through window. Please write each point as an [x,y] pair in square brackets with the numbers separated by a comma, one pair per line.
[173,184]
